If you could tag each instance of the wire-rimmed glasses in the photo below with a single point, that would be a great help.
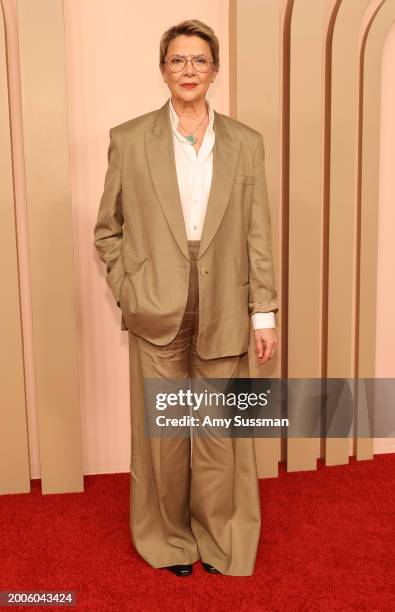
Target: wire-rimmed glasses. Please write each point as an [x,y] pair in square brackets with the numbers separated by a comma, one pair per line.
[201,63]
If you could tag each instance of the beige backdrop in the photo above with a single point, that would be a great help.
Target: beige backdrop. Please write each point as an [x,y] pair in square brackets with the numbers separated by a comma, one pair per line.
[283,71]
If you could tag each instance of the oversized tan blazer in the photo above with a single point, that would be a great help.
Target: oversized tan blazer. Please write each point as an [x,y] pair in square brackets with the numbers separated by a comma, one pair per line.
[140,235]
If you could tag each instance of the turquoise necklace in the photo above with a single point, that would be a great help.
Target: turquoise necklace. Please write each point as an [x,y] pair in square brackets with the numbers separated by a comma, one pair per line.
[191,138]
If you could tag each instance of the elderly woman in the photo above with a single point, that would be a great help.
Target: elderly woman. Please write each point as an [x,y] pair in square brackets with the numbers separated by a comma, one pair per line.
[184,229]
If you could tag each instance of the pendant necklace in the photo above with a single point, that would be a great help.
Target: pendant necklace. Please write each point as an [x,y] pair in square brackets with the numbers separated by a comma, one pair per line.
[191,138]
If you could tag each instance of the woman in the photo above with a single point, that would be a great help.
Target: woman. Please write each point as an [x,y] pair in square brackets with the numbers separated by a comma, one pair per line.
[184,229]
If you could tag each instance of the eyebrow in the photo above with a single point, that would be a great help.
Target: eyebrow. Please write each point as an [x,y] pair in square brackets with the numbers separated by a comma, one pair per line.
[183,55]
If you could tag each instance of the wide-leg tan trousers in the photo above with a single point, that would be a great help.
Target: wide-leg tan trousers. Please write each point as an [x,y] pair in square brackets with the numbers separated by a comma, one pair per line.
[188,505]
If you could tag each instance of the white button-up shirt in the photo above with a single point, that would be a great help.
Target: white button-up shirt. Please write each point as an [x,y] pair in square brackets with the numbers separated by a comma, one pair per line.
[194,174]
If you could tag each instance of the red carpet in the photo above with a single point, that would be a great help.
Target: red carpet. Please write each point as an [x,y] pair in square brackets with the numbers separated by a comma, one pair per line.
[327,543]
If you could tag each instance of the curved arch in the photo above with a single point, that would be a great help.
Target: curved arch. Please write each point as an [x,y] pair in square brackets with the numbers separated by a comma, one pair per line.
[14,461]
[376,23]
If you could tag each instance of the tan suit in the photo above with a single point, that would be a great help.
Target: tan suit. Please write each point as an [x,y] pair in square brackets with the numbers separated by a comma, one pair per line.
[147,259]
[187,306]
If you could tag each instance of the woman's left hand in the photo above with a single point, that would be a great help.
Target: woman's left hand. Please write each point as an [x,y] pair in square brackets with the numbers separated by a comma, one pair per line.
[266,342]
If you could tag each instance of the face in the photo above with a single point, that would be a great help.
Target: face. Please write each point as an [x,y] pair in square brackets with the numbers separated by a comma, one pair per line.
[188,45]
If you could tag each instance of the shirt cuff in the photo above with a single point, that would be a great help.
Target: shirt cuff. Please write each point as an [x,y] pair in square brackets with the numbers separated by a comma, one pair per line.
[261,320]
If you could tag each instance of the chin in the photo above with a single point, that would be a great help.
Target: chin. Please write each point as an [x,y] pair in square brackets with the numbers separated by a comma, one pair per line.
[189,93]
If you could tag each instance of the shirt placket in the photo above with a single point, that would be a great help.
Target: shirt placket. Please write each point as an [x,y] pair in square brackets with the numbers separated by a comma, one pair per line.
[194,211]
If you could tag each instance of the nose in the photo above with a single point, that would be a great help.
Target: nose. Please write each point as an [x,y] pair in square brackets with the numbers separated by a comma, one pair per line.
[187,65]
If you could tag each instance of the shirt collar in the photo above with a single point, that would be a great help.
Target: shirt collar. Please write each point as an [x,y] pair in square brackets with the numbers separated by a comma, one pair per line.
[174,119]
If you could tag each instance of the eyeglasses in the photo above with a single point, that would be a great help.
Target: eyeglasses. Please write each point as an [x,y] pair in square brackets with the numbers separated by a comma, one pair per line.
[201,63]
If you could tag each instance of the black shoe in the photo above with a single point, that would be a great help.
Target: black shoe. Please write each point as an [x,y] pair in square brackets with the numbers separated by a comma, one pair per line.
[210,568]
[180,570]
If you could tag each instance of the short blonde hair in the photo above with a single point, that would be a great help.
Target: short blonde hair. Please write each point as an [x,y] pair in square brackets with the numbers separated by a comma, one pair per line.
[190,27]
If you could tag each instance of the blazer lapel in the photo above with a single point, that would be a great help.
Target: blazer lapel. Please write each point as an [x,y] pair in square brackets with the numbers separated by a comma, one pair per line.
[162,165]
[226,154]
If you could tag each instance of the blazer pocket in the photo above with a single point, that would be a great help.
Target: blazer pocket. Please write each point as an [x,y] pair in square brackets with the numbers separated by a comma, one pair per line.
[245,178]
